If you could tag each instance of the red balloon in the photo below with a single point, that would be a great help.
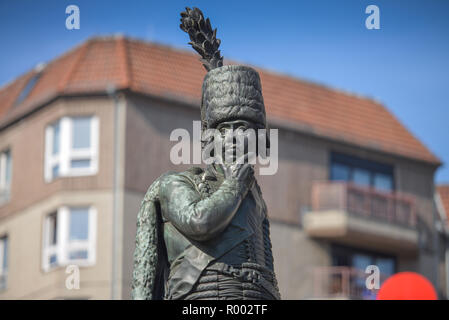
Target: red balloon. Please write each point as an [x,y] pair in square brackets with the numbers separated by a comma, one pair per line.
[407,286]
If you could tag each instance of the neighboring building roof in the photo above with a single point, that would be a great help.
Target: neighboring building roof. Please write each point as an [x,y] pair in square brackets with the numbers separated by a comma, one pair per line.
[443,192]
[171,73]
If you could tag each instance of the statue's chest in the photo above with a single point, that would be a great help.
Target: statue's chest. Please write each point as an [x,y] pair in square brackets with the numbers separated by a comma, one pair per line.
[207,185]
[252,210]
[247,221]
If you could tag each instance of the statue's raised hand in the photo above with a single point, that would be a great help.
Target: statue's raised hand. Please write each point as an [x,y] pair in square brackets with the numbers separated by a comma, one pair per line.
[241,169]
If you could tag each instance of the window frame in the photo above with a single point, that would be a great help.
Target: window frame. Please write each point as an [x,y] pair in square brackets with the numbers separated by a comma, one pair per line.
[66,153]
[4,241]
[64,246]
[5,185]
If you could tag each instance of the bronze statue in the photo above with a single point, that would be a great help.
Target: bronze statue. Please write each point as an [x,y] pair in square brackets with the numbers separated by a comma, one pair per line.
[204,233]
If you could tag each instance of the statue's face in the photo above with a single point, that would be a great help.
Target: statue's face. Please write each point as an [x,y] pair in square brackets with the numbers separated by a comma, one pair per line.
[234,125]
[237,137]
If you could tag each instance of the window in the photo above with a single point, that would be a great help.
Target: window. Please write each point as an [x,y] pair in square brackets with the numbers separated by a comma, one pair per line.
[340,172]
[383,182]
[71,147]
[28,87]
[358,260]
[3,261]
[361,172]
[5,175]
[361,177]
[69,237]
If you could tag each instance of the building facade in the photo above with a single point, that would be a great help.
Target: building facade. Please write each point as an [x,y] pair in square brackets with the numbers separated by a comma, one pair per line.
[442,226]
[82,138]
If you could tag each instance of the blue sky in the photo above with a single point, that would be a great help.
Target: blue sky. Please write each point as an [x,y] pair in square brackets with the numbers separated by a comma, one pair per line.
[404,65]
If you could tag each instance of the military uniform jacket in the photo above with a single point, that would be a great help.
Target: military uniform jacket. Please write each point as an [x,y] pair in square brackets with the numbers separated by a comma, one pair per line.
[200,218]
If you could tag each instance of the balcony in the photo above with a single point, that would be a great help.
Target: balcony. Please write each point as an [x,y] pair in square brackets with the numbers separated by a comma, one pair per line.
[354,215]
[342,283]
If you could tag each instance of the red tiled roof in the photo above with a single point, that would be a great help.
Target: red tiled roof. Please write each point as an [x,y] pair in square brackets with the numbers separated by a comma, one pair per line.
[443,191]
[159,70]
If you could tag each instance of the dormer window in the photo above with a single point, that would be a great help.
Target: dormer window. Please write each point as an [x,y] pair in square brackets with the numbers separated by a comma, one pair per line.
[30,84]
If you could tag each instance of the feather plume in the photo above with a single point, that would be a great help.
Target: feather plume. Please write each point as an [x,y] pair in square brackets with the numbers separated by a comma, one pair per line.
[202,38]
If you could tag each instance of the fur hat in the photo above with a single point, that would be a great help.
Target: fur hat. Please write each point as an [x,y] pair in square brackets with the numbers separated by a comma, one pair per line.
[232,93]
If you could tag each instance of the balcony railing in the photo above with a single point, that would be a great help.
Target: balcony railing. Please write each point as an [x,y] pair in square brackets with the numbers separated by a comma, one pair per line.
[342,283]
[389,207]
